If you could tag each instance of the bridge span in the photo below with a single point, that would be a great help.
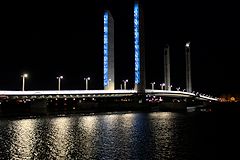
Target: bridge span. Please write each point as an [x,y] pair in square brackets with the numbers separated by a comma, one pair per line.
[47,102]
[99,93]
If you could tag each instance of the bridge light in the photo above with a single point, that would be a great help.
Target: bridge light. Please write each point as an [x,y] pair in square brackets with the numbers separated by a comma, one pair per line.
[162,85]
[125,83]
[87,79]
[188,44]
[153,83]
[25,75]
[109,81]
[59,82]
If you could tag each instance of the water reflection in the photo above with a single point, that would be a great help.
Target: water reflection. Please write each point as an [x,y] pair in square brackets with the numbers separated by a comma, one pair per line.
[88,124]
[88,135]
[60,136]
[114,136]
[170,132]
[22,138]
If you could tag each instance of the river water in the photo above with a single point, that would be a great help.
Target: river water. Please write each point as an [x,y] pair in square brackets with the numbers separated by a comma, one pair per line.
[157,135]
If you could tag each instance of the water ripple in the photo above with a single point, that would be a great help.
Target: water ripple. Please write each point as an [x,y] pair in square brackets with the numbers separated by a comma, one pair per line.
[116,136]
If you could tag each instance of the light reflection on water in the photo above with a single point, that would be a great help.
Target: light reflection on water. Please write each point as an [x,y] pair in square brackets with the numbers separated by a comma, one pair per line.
[22,139]
[60,136]
[161,135]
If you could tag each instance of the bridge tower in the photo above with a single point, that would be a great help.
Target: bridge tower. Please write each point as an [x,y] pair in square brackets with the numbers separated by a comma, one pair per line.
[140,81]
[188,68]
[167,68]
[108,51]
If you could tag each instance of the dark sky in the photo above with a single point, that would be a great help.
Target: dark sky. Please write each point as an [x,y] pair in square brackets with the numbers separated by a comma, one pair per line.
[49,39]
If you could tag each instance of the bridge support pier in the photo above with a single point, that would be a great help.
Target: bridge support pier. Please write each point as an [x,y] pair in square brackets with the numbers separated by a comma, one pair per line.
[167,68]
[188,68]
[140,82]
[108,52]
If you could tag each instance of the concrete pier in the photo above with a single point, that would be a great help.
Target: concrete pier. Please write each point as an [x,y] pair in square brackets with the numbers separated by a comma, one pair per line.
[188,68]
[167,68]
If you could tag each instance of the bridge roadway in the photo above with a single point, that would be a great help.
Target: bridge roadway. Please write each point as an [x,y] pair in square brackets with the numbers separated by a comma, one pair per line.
[99,93]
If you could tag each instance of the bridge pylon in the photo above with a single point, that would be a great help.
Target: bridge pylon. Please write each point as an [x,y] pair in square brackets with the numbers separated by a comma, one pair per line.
[108,51]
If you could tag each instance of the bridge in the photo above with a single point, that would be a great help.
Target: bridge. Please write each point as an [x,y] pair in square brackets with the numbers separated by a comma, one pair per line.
[110,95]
[86,101]
[99,93]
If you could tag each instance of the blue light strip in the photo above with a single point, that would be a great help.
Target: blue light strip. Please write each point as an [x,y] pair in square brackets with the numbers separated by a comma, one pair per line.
[136,43]
[105,49]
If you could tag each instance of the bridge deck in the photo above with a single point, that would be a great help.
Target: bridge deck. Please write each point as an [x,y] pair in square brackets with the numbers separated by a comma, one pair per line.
[104,93]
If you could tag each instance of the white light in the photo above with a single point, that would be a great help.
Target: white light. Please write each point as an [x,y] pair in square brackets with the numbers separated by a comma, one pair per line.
[188,44]
[60,77]
[88,78]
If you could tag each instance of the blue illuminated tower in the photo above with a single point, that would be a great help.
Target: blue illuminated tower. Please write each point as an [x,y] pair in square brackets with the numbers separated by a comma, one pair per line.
[140,82]
[108,51]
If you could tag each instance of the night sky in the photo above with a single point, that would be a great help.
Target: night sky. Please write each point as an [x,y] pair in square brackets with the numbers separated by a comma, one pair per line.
[50,39]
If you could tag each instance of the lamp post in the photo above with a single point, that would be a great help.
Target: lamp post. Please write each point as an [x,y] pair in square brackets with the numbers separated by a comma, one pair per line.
[86,79]
[153,83]
[23,80]
[125,83]
[109,81]
[162,85]
[59,82]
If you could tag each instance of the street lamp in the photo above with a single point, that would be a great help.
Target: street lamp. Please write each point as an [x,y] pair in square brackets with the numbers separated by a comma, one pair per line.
[125,83]
[153,83]
[188,44]
[162,85]
[59,82]
[86,79]
[109,81]
[23,80]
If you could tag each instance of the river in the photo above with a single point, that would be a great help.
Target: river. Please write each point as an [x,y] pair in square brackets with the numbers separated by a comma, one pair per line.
[156,135]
